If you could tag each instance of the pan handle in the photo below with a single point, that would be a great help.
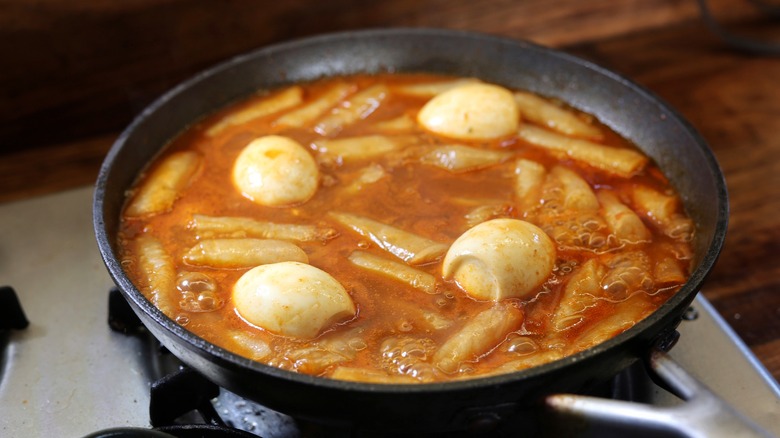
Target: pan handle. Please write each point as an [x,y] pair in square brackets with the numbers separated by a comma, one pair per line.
[703,414]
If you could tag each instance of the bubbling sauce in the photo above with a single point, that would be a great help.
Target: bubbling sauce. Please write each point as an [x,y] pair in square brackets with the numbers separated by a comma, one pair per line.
[566,234]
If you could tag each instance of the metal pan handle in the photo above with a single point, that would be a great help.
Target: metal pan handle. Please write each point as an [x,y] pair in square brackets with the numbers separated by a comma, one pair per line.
[703,414]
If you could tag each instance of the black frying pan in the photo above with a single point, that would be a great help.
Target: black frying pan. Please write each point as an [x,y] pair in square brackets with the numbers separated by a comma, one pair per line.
[622,105]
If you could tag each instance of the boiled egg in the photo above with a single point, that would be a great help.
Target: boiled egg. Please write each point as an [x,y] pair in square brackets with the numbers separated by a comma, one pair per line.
[475,111]
[275,171]
[292,299]
[500,258]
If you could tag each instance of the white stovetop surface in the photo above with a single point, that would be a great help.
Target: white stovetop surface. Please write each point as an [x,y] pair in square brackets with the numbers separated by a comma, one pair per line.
[68,374]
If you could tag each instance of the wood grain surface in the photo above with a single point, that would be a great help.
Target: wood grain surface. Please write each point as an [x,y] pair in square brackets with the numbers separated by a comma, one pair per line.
[76,72]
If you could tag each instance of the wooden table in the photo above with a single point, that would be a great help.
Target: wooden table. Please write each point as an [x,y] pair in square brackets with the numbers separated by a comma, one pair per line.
[76,72]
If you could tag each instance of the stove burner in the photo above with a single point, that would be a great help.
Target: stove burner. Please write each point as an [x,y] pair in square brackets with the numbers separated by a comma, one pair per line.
[121,317]
[12,315]
[187,431]
[179,393]
[204,431]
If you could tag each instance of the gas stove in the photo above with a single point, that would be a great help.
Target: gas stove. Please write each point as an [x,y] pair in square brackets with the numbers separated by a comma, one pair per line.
[67,374]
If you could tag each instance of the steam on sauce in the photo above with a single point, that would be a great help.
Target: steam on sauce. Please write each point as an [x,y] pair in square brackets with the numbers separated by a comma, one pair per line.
[404,228]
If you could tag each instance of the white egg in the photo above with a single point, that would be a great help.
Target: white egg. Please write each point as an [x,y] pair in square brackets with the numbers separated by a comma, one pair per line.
[292,299]
[500,258]
[471,112]
[275,171]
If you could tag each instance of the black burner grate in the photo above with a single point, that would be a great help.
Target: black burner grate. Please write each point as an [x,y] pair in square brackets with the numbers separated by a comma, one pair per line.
[12,315]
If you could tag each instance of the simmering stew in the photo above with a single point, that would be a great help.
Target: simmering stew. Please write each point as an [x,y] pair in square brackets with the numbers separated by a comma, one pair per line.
[404,228]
